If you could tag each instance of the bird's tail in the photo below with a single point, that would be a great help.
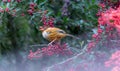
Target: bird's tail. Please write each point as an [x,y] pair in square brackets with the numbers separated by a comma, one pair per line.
[72,36]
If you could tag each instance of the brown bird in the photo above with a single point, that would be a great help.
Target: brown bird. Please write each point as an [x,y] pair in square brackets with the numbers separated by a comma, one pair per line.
[53,34]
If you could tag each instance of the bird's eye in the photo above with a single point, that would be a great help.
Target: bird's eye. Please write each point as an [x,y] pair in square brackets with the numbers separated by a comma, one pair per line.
[61,31]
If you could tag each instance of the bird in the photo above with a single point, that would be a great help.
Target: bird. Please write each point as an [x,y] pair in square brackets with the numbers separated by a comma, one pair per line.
[53,34]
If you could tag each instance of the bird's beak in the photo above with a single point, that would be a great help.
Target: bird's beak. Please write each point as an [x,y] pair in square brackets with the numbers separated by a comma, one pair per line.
[41,28]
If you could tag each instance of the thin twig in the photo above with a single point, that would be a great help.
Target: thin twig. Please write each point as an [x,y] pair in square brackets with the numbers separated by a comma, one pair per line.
[39,45]
[82,52]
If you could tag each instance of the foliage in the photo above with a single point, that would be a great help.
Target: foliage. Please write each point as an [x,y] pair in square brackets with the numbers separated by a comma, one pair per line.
[26,16]
[19,29]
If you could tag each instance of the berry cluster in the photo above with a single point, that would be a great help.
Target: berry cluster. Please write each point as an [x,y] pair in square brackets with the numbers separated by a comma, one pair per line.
[114,61]
[47,21]
[31,8]
[56,49]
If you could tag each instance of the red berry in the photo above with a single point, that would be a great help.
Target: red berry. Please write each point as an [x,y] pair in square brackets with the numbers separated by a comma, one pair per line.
[8,0]
[7,9]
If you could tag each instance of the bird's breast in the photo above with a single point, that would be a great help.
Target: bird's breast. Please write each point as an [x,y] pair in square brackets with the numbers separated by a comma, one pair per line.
[45,34]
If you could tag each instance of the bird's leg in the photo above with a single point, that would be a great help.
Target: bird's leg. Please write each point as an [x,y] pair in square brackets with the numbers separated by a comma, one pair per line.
[58,42]
[52,42]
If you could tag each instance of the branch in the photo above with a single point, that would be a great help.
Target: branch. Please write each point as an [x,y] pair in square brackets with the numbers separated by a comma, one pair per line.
[39,45]
[74,57]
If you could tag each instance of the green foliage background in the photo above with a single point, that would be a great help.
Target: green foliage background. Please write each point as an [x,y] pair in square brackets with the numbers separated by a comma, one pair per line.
[17,33]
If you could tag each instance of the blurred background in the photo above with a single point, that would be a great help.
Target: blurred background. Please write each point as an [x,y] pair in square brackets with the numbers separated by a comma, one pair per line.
[20,21]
